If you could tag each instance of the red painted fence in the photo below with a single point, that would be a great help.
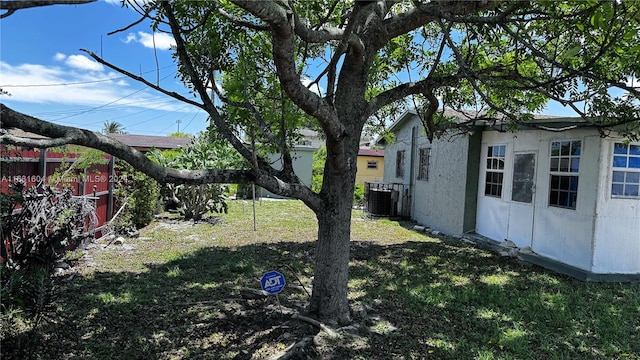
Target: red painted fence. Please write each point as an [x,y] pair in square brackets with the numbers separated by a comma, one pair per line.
[31,166]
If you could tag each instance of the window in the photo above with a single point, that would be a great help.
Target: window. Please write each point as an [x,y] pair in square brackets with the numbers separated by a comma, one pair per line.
[495,170]
[400,163]
[625,181]
[564,167]
[423,166]
[372,164]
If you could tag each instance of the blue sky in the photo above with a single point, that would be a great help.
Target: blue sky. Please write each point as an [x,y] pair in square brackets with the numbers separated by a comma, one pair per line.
[48,77]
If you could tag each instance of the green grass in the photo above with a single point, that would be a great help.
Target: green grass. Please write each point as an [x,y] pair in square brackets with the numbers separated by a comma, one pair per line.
[176,296]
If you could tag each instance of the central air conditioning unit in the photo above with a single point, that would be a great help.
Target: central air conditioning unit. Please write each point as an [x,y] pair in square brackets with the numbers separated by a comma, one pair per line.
[383,199]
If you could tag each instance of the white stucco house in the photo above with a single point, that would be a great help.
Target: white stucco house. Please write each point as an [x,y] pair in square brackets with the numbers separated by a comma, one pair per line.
[571,197]
[302,156]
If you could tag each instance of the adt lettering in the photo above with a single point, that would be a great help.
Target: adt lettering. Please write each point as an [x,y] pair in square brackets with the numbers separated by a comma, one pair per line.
[274,281]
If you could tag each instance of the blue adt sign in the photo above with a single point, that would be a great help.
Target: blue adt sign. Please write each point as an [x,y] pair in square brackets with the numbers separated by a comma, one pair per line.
[272,282]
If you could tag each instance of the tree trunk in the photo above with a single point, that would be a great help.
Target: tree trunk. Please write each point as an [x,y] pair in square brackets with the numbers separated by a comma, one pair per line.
[329,299]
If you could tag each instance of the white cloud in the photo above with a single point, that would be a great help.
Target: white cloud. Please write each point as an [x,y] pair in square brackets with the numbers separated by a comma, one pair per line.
[82,62]
[315,87]
[131,37]
[59,57]
[80,85]
[161,41]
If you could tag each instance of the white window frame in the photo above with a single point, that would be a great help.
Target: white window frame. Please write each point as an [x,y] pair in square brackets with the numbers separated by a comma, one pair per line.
[623,177]
[494,170]
[424,157]
[564,171]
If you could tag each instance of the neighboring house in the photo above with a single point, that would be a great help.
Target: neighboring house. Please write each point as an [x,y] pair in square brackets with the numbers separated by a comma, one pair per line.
[367,141]
[302,156]
[370,166]
[145,143]
[572,197]
[310,138]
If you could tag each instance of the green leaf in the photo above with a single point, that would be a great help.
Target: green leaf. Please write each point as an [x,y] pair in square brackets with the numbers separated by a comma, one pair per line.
[571,52]
[596,20]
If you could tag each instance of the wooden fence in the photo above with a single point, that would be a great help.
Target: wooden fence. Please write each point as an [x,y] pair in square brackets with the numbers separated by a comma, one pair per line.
[33,166]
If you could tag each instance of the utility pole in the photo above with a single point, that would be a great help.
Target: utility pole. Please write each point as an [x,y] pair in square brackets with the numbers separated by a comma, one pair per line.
[178,122]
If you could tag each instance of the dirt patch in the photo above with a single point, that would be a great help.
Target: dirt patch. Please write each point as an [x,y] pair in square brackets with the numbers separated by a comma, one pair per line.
[230,324]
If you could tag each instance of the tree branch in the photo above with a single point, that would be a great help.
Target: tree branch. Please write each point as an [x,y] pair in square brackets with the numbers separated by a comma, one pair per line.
[326,33]
[142,18]
[12,6]
[422,14]
[331,68]
[571,73]
[61,134]
[201,88]
[241,22]
[411,88]
[143,80]
[7,138]
[280,18]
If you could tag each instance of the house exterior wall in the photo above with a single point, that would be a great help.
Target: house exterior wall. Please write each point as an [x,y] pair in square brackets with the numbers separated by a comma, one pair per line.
[439,201]
[302,166]
[562,234]
[617,226]
[600,235]
[365,174]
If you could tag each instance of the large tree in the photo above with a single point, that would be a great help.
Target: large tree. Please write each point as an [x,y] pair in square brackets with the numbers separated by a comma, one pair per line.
[261,69]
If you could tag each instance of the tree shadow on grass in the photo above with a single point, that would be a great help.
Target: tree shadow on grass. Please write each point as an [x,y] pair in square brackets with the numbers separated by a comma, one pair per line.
[439,299]
[450,300]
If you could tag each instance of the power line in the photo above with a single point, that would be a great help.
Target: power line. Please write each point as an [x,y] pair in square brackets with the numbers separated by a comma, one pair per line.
[78,82]
[157,117]
[109,103]
[189,123]
[168,102]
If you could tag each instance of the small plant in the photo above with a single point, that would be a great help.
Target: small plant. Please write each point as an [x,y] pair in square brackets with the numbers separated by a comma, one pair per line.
[317,171]
[198,200]
[141,194]
[358,195]
[194,201]
[38,227]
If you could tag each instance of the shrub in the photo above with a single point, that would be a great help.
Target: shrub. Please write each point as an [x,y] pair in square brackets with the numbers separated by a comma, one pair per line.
[38,227]
[140,192]
[358,195]
[198,200]
[144,199]
[194,201]
[317,170]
